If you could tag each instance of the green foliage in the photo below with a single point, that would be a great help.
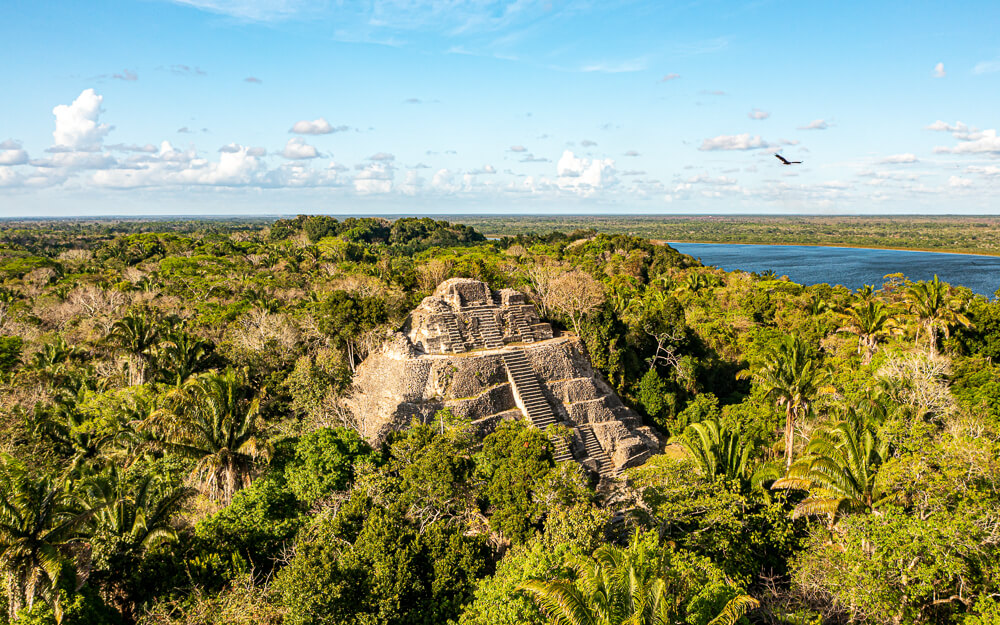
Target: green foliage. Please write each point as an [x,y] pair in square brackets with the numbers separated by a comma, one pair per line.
[113,404]
[390,574]
[10,353]
[432,466]
[512,464]
[258,525]
[743,530]
[644,583]
[324,462]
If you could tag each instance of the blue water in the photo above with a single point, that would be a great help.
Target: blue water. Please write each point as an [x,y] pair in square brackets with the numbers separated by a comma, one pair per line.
[850,267]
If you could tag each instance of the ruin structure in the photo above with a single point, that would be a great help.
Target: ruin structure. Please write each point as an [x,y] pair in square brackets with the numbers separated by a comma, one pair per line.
[487,356]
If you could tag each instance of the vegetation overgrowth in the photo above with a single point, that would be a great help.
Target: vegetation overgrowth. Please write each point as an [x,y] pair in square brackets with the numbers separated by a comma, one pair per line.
[174,447]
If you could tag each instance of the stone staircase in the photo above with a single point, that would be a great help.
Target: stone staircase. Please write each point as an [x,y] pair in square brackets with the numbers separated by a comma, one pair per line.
[605,467]
[490,334]
[455,341]
[522,327]
[537,408]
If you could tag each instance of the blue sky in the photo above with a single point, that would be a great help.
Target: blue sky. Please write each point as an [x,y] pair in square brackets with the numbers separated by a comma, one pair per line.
[481,106]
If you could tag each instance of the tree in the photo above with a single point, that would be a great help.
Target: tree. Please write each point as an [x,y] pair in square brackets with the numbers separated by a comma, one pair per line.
[129,518]
[137,334]
[870,321]
[324,462]
[39,530]
[717,452]
[575,293]
[513,462]
[639,585]
[214,418]
[181,356]
[792,378]
[931,304]
[840,471]
[346,318]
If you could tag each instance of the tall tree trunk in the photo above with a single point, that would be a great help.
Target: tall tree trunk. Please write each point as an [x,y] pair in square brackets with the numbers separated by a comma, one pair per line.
[789,433]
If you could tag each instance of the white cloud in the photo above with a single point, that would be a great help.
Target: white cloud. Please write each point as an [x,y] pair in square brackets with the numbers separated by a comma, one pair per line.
[617,67]
[413,183]
[670,77]
[735,142]
[584,175]
[127,75]
[76,161]
[374,178]
[315,127]
[587,143]
[256,10]
[76,124]
[758,114]
[899,158]
[986,67]
[977,142]
[12,154]
[939,71]
[298,149]
[235,168]
[485,169]
[10,178]
[988,170]
[444,180]
[518,148]
[383,157]
[816,124]
[957,182]
[941,126]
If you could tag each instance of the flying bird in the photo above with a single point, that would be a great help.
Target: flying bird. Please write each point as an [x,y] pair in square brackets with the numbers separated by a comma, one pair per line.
[785,161]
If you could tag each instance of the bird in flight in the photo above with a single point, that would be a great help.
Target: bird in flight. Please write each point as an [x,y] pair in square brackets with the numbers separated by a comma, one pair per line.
[785,161]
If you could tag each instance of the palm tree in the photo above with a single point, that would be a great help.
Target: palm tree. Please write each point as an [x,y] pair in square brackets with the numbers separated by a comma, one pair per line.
[214,419]
[870,320]
[137,334]
[840,471]
[621,587]
[39,529]
[182,355]
[65,426]
[930,303]
[129,518]
[718,453]
[792,378]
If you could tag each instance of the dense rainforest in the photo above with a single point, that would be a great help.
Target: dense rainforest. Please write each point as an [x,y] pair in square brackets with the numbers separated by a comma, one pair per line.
[174,447]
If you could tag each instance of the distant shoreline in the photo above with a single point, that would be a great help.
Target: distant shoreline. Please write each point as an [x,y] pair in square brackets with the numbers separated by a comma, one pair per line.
[845,246]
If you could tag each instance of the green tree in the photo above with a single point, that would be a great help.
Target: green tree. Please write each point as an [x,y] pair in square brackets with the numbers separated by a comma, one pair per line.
[792,378]
[324,462]
[934,308]
[129,518]
[346,317]
[137,334]
[39,527]
[840,471]
[511,467]
[717,452]
[640,585]
[871,321]
[214,418]
[182,355]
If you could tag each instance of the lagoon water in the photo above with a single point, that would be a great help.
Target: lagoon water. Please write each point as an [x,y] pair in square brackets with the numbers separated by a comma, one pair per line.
[851,267]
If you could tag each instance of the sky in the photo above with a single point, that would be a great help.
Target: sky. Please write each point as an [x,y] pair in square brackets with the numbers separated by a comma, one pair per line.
[211,107]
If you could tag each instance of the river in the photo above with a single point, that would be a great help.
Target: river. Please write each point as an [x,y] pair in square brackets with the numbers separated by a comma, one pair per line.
[851,267]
